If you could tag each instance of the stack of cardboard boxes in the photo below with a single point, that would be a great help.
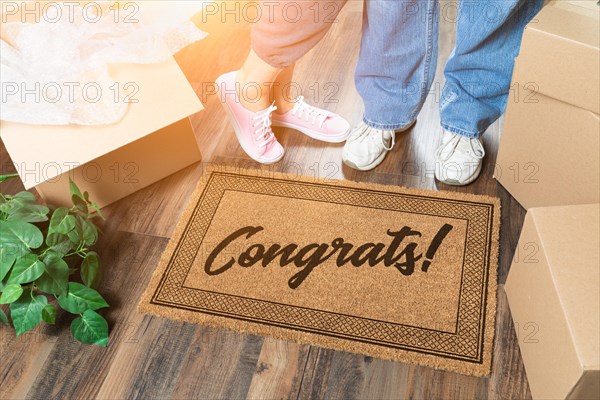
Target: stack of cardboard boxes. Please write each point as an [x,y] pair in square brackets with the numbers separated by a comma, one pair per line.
[549,162]
[549,149]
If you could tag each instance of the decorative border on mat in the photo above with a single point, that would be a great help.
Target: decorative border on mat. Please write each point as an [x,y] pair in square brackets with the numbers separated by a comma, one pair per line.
[466,344]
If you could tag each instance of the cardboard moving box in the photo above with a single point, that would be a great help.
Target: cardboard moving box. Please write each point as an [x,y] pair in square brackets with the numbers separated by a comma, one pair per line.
[152,141]
[554,297]
[550,144]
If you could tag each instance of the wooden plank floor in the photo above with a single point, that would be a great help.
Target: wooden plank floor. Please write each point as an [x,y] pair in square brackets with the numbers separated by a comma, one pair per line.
[152,358]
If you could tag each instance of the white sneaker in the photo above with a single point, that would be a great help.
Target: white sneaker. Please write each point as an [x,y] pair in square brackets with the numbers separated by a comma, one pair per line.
[366,147]
[458,159]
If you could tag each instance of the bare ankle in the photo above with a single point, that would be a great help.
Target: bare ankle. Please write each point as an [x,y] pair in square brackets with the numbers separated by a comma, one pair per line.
[284,105]
[252,95]
[254,106]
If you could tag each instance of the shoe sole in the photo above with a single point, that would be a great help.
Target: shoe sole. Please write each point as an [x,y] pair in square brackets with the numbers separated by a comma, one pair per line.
[368,167]
[237,129]
[314,134]
[452,182]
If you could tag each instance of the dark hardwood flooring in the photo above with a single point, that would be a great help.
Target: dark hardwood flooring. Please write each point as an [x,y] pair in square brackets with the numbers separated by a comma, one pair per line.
[154,358]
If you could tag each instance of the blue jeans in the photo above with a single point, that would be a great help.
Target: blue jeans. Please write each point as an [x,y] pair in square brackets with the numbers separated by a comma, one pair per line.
[398,58]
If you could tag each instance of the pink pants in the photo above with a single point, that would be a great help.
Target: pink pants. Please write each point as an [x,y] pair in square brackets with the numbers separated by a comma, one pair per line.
[288,29]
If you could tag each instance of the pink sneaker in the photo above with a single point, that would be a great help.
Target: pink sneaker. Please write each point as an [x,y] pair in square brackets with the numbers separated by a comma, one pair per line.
[314,122]
[253,130]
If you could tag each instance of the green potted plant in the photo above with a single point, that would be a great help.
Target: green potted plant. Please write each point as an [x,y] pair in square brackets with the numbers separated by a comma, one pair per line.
[46,254]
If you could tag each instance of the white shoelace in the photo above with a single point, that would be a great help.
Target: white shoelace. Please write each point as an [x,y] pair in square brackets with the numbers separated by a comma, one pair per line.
[463,144]
[309,113]
[375,135]
[261,121]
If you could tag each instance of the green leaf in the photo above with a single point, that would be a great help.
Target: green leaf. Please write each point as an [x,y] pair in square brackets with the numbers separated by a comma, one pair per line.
[78,198]
[80,204]
[3,318]
[22,234]
[25,196]
[27,269]
[26,312]
[5,207]
[90,232]
[7,177]
[91,328]
[85,232]
[95,207]
[14,202]
[58,243]
[11,293]
[49,314]
[55,238]
[76,235]
[8,255]
[74,189]
[89,268]
[80,298]
[22,207]
[55,278]
[29,213]
[61,221]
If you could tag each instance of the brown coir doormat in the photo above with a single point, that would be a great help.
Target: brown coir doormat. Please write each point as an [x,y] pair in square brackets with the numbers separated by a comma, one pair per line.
[401,274]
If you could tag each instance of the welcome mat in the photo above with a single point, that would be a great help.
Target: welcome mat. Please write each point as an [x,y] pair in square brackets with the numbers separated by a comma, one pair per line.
[396,273]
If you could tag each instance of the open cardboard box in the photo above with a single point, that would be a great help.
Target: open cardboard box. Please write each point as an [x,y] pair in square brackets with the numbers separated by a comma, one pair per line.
[152,141]
[549,149]
[554,297]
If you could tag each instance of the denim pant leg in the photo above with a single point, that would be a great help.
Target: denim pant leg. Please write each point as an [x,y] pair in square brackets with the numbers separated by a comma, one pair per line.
[397,61]
[479,71]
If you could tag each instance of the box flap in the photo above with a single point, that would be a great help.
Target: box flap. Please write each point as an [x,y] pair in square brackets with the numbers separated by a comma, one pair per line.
[41,153]
[570,237]
[549,147]
[560,55]
[584,7]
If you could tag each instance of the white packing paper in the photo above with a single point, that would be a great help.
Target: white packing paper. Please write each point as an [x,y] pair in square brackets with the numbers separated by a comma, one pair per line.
[56,71]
